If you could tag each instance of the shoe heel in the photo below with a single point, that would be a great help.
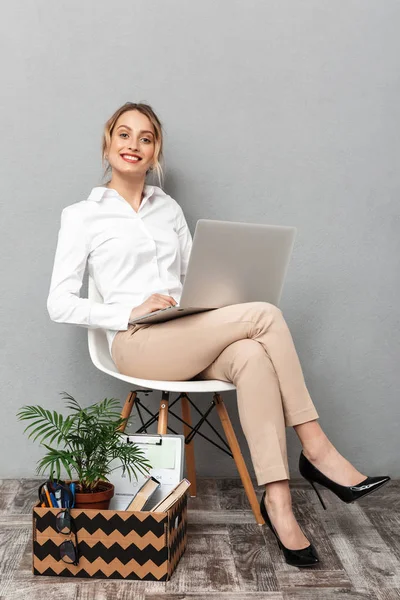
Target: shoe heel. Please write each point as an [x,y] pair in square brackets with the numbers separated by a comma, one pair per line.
[317,492]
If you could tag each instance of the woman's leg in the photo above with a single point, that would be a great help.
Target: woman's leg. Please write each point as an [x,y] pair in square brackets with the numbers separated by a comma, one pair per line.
[181,348]
[251,370]
[246,364]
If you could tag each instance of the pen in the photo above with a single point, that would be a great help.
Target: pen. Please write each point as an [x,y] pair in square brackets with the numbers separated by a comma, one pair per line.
[46,491]
[53,500]
[72,488]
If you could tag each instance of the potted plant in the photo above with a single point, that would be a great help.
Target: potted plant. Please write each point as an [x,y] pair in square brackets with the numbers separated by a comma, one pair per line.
[87,442]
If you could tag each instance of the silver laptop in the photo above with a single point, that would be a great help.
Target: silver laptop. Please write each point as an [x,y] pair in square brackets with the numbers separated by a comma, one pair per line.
[231,263]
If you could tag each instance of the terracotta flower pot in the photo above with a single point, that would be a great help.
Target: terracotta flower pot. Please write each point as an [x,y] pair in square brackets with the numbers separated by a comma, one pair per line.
[99,499]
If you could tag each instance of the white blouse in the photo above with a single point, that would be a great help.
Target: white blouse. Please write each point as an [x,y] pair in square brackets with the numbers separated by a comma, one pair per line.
[131,255]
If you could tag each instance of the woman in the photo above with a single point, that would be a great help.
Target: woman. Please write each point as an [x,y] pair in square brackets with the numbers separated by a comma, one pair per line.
[137,244]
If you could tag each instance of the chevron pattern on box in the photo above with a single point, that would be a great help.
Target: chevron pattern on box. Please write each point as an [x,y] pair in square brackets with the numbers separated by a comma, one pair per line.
[113,544]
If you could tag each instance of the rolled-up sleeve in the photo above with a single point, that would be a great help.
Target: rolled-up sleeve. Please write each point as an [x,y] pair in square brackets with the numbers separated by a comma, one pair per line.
[185,241]
[64,303]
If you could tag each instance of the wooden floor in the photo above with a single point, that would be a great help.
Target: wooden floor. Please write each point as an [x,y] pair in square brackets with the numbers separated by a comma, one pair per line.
[228,555]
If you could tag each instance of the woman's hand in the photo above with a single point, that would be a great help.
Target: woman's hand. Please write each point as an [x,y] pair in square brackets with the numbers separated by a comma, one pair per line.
[153,302]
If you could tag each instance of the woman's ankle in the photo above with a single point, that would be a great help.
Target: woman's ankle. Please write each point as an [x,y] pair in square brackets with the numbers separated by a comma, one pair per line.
[319,452]
[313,439]
[277,495]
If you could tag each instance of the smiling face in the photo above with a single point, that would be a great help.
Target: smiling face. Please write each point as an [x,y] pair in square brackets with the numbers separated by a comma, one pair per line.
[132,144]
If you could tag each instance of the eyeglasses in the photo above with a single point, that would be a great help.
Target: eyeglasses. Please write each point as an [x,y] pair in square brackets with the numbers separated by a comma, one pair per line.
[68,550]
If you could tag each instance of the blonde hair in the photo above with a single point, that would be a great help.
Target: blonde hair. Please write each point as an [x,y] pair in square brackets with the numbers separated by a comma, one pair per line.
[145,109]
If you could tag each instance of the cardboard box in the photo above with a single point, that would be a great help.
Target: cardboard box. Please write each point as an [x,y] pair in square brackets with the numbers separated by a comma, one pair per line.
[113,544]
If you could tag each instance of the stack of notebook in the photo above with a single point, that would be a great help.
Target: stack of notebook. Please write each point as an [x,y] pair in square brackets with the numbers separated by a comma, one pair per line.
[146,491]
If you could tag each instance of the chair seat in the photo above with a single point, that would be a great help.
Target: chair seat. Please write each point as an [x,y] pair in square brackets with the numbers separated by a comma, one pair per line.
[208,385]
[100,355]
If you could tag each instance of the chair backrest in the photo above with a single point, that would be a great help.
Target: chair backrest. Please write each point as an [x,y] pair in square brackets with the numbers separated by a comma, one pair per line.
[97,339]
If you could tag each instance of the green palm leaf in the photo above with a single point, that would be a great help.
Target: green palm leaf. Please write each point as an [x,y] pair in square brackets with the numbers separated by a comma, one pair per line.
[90,438]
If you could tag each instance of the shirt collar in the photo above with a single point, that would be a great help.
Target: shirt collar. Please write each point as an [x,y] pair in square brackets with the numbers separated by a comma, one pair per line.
[99,192]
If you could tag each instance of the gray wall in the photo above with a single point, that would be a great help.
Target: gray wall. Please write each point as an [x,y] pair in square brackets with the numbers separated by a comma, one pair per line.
[281,112]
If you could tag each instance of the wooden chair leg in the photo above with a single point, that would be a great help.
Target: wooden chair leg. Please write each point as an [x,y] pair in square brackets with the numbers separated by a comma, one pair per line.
[127,409]
[239,460]
[189,448]
[163,414]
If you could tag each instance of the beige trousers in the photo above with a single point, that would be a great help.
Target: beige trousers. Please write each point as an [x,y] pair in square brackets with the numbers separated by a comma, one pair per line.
[248,344]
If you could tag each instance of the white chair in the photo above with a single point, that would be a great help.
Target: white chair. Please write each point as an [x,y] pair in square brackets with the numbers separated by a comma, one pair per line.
[99,353]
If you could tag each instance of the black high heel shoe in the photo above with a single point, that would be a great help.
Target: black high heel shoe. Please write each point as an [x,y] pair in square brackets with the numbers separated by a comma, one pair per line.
[349,493]
[305,557]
